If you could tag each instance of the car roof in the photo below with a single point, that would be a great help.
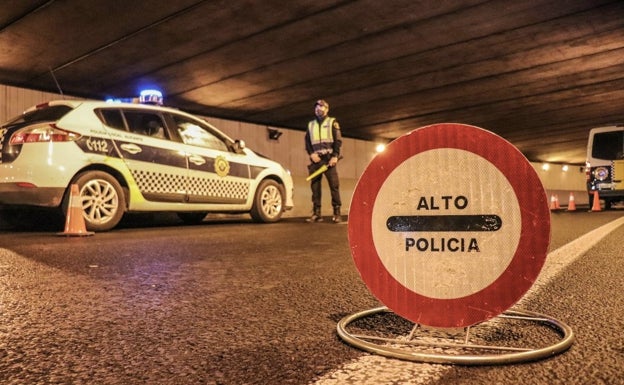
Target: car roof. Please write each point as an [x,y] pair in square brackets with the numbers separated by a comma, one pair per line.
[93,104]
[597,130]
[74,103]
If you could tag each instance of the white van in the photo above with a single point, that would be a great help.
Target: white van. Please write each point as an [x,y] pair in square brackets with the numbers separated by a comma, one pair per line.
[605,164]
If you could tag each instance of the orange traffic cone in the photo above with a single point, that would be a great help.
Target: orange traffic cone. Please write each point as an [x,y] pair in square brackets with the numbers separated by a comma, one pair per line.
[596,204]
[571,203]
[74,222]
[553,202]
[557,202]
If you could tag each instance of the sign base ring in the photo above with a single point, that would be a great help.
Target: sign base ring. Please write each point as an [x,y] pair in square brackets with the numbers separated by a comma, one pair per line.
[409,349]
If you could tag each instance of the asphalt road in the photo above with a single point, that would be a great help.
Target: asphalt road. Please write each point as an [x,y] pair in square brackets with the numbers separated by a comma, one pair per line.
[233,302]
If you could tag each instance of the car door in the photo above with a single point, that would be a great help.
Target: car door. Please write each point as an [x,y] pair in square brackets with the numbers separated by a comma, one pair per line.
[216,175]
[156,163]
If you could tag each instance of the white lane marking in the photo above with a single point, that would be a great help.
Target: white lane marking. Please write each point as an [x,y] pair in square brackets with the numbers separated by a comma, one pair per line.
[376,370]
[559,259]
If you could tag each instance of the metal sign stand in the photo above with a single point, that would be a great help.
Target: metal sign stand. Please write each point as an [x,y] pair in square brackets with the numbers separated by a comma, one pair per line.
[442,346]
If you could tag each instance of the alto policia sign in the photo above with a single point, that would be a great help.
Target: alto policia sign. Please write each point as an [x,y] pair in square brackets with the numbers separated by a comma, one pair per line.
[449,226]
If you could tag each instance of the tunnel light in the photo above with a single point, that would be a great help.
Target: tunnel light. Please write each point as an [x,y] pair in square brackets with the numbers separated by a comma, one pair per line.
[545,166]
[564,167]
[380,147]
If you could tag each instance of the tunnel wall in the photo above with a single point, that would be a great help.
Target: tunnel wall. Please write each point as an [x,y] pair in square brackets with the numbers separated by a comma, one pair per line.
[289,150]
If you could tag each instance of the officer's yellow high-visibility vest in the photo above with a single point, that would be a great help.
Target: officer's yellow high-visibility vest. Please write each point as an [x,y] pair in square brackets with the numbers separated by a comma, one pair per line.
[321,136]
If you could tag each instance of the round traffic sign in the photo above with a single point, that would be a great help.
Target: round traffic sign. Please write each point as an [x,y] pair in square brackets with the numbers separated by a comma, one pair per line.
[449,226]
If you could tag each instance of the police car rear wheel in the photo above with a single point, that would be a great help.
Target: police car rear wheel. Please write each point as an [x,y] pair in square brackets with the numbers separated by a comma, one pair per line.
[268,202]
[103,200]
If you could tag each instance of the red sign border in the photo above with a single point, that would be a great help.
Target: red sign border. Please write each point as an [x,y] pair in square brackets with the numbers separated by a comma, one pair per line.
[528,258]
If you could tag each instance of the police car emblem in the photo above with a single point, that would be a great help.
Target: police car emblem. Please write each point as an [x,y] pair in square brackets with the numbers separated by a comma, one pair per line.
[221,165]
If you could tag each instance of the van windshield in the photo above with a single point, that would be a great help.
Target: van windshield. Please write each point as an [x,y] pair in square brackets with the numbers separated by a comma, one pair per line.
[608,145]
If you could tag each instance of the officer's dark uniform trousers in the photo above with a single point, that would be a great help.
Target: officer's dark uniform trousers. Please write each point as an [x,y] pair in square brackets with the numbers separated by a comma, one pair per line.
[334,186]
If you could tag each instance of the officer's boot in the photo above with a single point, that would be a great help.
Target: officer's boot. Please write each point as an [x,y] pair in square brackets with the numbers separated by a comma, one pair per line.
[316,216]
[336,218]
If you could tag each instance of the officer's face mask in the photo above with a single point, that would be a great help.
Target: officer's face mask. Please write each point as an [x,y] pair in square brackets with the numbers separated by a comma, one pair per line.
[320,110]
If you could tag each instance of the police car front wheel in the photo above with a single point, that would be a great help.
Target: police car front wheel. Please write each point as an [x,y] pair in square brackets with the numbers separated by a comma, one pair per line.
[268,202]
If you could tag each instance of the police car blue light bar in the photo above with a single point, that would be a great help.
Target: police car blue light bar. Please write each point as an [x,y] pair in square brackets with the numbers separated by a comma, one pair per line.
[151,96]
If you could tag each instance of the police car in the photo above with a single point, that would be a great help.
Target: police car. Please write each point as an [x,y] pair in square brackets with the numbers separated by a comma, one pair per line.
[129,157]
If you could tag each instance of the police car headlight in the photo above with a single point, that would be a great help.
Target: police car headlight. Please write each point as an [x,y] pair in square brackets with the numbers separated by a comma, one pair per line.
[601,173]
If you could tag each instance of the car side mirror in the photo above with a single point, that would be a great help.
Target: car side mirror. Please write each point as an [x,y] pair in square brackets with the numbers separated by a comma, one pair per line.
[239,145]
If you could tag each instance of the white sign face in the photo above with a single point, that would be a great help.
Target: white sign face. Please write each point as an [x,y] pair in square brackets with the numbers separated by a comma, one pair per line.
[461,221]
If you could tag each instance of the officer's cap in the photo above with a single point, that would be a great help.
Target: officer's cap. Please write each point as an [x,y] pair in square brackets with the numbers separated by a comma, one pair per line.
[321,102]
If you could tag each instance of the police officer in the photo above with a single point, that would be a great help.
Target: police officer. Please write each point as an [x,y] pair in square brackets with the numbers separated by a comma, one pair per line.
[323,141]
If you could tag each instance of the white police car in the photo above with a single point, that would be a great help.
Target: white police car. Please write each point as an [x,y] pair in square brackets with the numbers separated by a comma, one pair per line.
[128,157]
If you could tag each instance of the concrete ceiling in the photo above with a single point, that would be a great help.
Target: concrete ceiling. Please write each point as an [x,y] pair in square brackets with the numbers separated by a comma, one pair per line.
[539,73]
